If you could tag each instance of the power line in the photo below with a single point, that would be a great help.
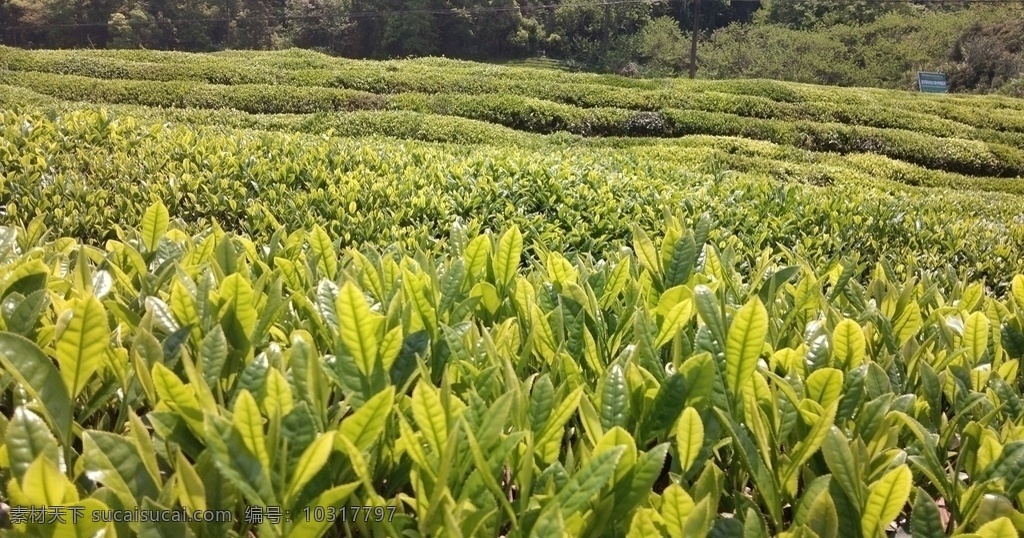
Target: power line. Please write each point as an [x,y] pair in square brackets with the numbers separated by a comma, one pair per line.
[456,11]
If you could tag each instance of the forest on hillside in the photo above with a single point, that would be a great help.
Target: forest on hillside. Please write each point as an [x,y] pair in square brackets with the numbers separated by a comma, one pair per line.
[839,42]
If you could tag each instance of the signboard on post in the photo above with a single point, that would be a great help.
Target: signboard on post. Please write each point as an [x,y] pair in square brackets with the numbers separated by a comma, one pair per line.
[932,82]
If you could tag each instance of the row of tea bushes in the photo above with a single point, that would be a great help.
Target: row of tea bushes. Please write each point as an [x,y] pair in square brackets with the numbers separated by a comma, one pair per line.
[86,172]
[539,116]
[500,387]
[981,118]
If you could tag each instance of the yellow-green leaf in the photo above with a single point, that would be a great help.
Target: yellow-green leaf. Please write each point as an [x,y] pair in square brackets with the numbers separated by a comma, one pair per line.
[744,344]
[365,426]
[825,386]
[488,295]
[310,463]
[549,524]
[291,275]
[278,401]
[646,254]
[823,518]
[44,484]
[810,444]
[239,299]
[88,524]
[908,322]
[689,437]
[506,261]
[83,343]
[674,322]
[976,336]
[179,397]
[671,298]
[249,422]
[332,498]
[184,307]
[37,376]
[676,505]
[616,281]
[323,249]
[430,415]
[1017,289]
[550,438]
[848,344]
[191,491]
[154,225]
[147,452]
[359,465]
[418,293]
[998,528]
[358,327]
[617,437]
[645,524]
[886,498]
[542,335]
[411,442]
[476,255]
[390,348]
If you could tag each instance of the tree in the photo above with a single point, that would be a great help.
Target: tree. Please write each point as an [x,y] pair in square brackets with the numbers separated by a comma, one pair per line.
[499,30]
[191,25]
[253,25]
[598,36]
[410,30]
[987,56]
[48,22]
[803,14]
[661,47]
[132,28]
[320,24]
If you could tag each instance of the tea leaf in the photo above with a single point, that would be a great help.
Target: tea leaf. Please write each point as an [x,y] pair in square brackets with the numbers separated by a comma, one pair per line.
[40,378]
[689,437]
[358,327]
[885,501]
[154,225]
[745,341]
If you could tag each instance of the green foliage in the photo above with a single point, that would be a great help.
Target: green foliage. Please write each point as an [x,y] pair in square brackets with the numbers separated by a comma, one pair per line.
[508,333]
[812,14]
[662,47]
[514,436]
[988,56]
[869,45]
[972,137]
[576,198]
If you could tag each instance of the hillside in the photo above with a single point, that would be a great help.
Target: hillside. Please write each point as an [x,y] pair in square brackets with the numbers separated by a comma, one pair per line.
[504,301]
[978,48]
[855,144]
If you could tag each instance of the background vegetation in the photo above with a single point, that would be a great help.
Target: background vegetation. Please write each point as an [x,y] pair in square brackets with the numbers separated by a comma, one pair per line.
[838,42]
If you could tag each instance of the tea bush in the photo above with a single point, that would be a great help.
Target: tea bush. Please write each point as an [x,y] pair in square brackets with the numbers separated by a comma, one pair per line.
[302,296]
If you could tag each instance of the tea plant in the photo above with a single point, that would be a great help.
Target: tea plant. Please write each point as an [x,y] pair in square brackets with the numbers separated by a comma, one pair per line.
[87,173]
[480,391]
[287,295]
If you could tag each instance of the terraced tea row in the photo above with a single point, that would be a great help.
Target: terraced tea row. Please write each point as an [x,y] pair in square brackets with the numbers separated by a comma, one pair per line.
[754,98]
[724,153]
[85,173]
[935,142]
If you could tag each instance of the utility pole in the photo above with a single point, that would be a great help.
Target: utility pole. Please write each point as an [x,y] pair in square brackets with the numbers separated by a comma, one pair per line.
[693,39]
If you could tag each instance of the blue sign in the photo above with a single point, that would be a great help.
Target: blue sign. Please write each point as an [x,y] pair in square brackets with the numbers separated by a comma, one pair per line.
[932,82]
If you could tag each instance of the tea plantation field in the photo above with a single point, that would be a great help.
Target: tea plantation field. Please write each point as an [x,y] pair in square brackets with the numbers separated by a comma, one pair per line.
[280,294]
